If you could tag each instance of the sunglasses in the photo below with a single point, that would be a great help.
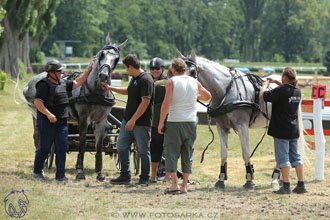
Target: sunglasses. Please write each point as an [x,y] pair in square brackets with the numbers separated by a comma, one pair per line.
[154,68]
[58,71]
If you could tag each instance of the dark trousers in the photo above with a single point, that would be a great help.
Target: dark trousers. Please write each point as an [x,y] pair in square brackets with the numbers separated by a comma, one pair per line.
[51,133]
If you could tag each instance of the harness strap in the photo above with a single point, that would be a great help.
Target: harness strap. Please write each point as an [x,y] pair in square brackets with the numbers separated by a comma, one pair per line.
[210,129]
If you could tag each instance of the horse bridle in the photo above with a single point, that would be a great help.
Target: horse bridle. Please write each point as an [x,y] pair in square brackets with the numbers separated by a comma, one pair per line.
[105,65]
[193,68]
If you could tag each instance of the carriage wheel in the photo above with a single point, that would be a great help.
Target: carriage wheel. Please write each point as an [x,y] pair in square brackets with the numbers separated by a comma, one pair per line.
[136,159]
[50,159]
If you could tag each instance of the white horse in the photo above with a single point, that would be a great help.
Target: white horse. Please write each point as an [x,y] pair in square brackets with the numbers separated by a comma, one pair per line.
[235,105]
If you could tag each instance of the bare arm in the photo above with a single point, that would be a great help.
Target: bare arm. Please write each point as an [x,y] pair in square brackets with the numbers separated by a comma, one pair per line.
[165,105]
[121,90]
[274,81]
[41,108]
[81,79]
[139,111]
[203,94]
[263,89]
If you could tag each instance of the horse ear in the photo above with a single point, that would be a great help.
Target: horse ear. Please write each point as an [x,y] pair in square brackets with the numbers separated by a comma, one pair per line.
[107,39]
[122,45]
[193,55]
[179,54]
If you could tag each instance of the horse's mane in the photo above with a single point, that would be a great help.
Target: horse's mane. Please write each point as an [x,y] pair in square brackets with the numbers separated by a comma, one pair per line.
[202,60]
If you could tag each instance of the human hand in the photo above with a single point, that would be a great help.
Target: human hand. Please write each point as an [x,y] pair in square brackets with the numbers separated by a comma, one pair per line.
[90,67]
[105,86]
[52,118]
[130,125]
[161,128]
[271,80]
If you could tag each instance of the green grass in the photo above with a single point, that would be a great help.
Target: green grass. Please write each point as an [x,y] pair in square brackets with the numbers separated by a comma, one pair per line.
[90,199]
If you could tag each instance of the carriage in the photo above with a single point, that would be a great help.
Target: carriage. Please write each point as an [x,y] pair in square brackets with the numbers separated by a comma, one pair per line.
[109,141]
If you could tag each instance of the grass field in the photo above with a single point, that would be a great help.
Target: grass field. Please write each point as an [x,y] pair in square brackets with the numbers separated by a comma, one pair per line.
[90,199]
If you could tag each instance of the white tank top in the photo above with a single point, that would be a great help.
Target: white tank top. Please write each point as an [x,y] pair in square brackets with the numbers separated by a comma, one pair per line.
[183,106]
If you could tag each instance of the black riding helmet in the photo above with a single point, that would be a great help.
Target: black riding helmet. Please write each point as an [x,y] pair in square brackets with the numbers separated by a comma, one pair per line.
[53,65]
[156,62]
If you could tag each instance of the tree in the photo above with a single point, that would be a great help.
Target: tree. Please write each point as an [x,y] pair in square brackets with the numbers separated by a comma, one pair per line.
[290,29]
[20,23]
[79,20]
[326,61]
[2,15]
[252,10]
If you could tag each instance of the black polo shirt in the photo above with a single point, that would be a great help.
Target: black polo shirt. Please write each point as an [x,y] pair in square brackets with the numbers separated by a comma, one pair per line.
[285,101]
[138,88]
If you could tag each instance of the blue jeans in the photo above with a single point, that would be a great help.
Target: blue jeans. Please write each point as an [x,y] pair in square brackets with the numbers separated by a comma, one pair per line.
[286,152]
[51,133]
[140,134]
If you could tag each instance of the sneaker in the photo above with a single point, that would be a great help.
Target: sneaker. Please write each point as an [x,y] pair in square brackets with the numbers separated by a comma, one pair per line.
[39,176]
[121,180]
[62,179]
[282,191]
[143,181]
[299,189]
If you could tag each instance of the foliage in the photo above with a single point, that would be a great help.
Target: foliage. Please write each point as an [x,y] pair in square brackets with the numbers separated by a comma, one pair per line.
[2,15]
[85,18]
[55,50]
[22,68]
[255,30]
[326,60]
[295,32]
[37,56]
[3,79]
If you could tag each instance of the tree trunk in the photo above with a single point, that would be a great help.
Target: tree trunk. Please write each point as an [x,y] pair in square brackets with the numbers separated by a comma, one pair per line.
[12,49]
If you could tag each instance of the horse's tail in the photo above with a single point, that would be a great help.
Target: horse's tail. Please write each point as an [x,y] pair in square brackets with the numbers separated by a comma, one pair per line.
[302,143]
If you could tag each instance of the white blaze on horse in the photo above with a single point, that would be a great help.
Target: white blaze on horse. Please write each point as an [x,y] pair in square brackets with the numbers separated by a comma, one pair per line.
[235,105]
[89,103]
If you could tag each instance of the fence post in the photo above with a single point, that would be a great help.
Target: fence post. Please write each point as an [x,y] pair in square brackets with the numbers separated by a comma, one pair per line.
[319,139]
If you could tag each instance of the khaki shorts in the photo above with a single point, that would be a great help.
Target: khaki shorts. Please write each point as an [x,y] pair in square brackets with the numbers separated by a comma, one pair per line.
[179,140]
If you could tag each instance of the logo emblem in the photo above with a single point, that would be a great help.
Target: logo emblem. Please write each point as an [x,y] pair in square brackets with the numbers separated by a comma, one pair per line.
[16,204]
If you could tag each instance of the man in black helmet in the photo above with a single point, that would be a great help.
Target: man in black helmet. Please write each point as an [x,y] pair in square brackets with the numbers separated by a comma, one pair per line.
[157,67]
[51,99]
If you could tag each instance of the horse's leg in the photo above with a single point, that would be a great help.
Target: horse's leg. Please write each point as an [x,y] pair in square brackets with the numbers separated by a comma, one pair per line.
[276,178]
[223,134]
[99,136]
[243,132]
[36,136]
[82,142]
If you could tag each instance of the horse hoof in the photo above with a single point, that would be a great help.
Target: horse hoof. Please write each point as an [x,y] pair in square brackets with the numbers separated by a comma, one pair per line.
[220,185]
[100,177]
[80,176]
[275,185]
[249,185]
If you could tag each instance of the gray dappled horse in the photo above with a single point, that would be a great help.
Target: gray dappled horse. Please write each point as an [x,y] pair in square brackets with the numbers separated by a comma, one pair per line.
[89,103]
[235,104]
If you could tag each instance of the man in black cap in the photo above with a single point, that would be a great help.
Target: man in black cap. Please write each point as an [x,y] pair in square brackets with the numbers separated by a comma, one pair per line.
[157,67]
[51,100]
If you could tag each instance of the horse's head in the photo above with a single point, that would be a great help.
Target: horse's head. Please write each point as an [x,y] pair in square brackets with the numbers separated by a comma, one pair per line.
[192,69]
[106,61]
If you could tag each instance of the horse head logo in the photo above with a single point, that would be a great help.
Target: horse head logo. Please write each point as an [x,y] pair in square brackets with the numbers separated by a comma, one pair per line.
[16,204]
